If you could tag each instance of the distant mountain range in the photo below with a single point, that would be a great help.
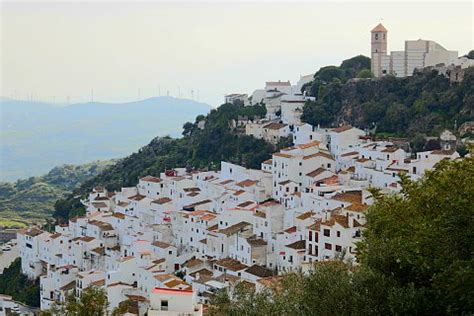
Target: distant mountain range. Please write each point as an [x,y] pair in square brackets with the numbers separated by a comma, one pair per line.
[36,137]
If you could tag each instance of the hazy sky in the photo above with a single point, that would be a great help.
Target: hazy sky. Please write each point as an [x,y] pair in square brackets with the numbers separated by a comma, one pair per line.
[126,50]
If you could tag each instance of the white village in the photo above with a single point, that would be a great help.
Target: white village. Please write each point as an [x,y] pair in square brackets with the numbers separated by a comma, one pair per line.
[172,241]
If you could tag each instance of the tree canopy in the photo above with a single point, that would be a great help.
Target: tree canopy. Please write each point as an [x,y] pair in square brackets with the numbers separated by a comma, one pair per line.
[417,257]
[425,103]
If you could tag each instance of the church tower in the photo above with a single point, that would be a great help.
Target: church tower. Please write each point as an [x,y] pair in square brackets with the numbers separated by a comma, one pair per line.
[378,48]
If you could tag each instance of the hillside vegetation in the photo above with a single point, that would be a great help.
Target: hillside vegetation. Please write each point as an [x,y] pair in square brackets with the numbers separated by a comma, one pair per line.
[33,199]
[423,104]
[416,259]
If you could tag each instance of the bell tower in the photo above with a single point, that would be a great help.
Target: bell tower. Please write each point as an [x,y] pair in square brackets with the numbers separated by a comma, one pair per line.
[378,48]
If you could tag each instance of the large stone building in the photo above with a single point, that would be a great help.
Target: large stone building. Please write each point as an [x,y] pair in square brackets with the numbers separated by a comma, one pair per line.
[417,54]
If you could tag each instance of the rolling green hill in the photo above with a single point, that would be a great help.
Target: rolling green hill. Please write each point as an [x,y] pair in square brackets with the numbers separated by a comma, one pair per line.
[33,199]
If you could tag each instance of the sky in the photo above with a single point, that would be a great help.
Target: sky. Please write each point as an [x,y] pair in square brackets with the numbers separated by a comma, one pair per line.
[68,52]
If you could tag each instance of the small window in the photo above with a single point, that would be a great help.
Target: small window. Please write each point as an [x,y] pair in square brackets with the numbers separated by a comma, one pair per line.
[164,305]
[327,232]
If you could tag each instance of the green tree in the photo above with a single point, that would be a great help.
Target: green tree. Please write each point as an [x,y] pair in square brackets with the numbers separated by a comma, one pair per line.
[417,258]
[93,302]
[424,238]
[365,73]
[16,284]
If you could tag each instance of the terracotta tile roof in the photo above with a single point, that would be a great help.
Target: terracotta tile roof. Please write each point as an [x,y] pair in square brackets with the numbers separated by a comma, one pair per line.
[213,227]
[226,182]
[162,200]
[443,152]
[99,250]
[201,272]
[349,196]
[315,226]
[316,172]
[282,155]
[99,204]
[340,219]
[197,203]
[56,235]
[342,129]
[300,244]
[164,277]
[101,198]
[357,207]
[71,285]
[119,215]
[193,263]
[137,197]
[102,225]
[87,238]
[246,183]
[309,145]
[161,244]
[192,189]
[246,203]
[98,283]
[275,126]
[268,162]
[123,204]
[290,230]
[305,215]
[256,242]
[231,264]
[391,149]
[235,228]
[136,298]
[319,154]
[352,153]
[239,192]
[259,271]
[151,179]
[379,28]
[208,217]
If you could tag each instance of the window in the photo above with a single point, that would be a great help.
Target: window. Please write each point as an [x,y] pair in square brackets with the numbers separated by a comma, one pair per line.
[376,36]
[338,233]
[164,305]
[338,248]
[328,246]
[310,236]
[327,233]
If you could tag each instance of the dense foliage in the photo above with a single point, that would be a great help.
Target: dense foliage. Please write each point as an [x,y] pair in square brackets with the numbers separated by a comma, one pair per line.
[425,103]
[13,283]
[33,199]
[93,302]
[198,148]
[417,258]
